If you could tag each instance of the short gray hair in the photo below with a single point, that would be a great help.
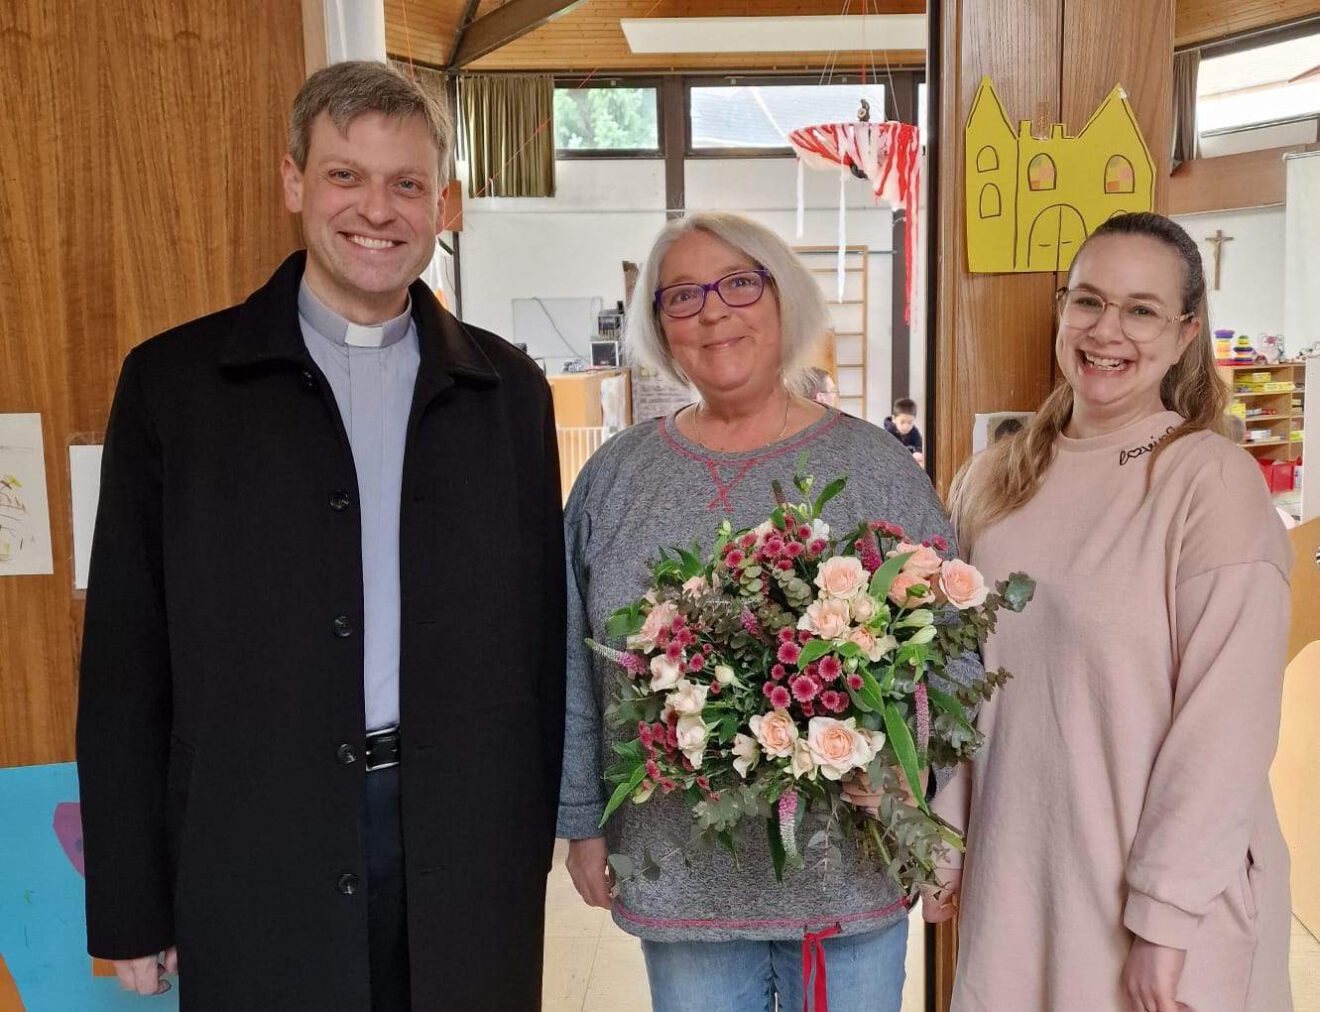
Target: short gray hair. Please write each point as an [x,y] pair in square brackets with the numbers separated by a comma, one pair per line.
[351,89]
[804,318]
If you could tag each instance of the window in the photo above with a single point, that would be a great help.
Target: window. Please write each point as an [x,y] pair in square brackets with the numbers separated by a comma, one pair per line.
[987,159]
[1119,177]
[991,202]
[762,116]
[1268,84]
[1040,173]
[607,120]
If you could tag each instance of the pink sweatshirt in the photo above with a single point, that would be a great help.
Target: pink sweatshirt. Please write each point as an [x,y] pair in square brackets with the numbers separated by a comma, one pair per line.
[1123,788]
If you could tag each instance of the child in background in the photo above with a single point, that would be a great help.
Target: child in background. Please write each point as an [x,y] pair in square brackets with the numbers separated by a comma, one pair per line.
[903,426]
[823,388]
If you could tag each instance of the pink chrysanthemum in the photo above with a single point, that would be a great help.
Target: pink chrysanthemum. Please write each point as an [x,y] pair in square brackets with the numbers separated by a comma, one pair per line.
[779,697]
[793,549]
[789,653]
[804,688]
[855,682]
[767,688]
[696,662]
[778,672]
[939,544]
[674,651]
[805,636]
[830,668]
[734,559]
[804,532]
[786,635]
[817,546]
[835,702]
[808,710]
[813,668]
[715,689]
[784,565]
[747,541]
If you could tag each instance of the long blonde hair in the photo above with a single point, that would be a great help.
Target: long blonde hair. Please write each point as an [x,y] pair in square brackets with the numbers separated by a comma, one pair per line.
[1005,477]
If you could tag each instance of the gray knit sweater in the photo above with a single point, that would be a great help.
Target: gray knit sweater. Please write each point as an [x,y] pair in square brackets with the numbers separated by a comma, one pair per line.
[649,488]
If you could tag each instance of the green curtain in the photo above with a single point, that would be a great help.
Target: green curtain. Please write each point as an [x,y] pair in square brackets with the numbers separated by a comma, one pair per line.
[508,135]
[1186,141]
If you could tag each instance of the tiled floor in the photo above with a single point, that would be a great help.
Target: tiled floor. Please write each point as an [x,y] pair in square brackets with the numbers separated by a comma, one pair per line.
[592,966]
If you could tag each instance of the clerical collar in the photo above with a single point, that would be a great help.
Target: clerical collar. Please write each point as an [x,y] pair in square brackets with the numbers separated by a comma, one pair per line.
[333,327]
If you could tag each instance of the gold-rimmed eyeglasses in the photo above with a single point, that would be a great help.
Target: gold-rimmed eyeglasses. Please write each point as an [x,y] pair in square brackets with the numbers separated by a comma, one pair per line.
[1142,321]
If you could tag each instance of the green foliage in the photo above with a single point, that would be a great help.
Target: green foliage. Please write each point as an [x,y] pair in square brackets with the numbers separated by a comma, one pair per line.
[618,119]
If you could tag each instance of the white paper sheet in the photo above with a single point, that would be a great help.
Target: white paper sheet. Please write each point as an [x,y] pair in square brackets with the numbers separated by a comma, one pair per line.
[85,485]
[24,508]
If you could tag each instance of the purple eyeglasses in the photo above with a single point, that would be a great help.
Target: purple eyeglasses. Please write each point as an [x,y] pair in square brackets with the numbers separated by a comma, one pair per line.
[742,288]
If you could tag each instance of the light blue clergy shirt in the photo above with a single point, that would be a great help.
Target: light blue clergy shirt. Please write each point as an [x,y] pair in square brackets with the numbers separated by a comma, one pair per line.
[372,371]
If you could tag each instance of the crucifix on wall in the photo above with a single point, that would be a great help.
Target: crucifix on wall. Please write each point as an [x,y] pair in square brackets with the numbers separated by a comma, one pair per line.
[1218,240]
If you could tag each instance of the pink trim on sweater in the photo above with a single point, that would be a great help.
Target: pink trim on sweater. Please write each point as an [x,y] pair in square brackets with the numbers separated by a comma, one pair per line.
[694,922]
[723,488]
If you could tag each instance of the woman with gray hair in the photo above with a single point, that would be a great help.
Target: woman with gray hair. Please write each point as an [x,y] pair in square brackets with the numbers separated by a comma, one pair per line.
[725,306]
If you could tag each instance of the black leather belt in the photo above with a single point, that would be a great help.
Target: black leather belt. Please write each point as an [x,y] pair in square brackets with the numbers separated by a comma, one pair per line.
[382,749]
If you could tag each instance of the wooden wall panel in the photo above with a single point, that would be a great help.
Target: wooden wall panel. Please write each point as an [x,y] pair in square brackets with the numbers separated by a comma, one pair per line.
[589,37]
[1204,20]
[993,343]
[139,149]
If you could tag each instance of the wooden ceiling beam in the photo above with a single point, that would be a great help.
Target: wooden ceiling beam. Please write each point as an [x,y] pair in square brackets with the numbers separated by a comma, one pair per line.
[505,24]
[464,21]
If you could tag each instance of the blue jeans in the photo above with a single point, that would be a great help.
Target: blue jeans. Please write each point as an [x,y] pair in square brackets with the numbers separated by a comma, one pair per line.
[864,972]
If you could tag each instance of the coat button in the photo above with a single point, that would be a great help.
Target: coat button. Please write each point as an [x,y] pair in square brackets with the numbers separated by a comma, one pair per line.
[347,755]
[348,884]
[343,627]
[339,500]
[308,380]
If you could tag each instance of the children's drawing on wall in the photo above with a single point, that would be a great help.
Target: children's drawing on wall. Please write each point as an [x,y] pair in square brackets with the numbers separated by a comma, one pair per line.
[1032,201]
[24,513]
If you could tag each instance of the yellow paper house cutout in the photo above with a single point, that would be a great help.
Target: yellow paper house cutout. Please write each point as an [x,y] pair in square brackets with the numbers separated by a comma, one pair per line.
[1031,201]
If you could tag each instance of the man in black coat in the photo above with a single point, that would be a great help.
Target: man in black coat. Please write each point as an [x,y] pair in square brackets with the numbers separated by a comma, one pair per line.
[321,711]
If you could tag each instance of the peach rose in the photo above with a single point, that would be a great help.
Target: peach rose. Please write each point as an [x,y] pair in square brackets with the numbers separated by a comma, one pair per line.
[925,561]
[837,746]
[864,607]
[664,673]
[841,577]
[905,581]
[827,619]
[776,732]
[963,584]
[657,620]
[872,647]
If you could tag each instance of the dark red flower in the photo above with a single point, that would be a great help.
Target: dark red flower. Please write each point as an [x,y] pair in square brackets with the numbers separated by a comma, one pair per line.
[855,682]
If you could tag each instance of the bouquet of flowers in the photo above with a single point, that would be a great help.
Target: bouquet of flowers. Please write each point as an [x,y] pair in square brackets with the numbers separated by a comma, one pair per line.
[761,678]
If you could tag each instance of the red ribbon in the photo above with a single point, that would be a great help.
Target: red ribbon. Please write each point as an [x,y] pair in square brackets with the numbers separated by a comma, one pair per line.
[813,964]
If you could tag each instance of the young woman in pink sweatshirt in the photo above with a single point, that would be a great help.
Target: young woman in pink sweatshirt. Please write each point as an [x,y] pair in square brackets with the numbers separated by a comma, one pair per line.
[1123,851]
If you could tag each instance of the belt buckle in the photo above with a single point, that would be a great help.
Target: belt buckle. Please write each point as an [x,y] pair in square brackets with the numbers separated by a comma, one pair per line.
[380,737]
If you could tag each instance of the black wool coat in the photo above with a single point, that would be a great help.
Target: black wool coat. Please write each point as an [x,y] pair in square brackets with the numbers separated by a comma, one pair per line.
[220,718]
